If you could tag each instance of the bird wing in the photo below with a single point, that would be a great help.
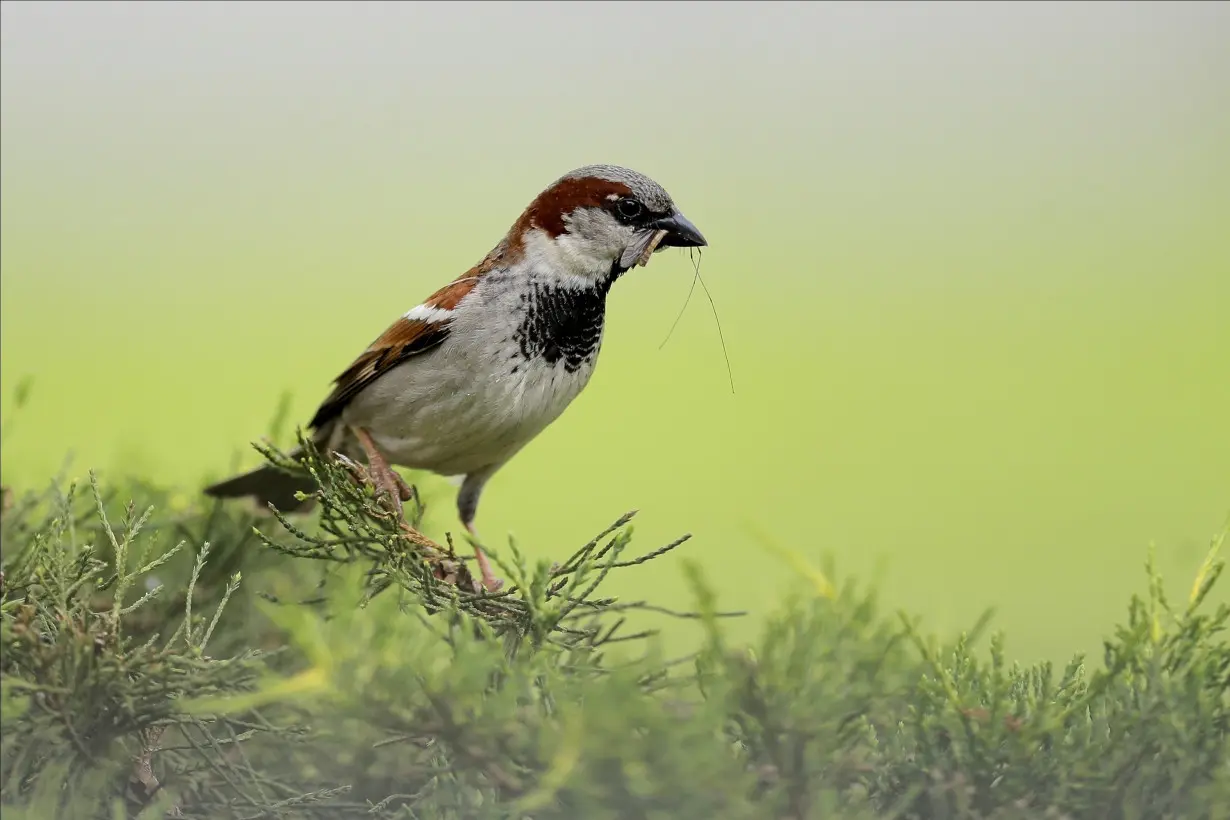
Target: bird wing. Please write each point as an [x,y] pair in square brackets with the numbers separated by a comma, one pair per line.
[423,328]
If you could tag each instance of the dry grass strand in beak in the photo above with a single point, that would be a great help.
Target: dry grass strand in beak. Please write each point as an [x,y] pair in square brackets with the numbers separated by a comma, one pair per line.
[721,337]
[730,374]
[656,240]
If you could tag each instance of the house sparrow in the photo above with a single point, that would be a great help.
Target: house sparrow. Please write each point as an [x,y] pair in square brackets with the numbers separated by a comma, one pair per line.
[460,383]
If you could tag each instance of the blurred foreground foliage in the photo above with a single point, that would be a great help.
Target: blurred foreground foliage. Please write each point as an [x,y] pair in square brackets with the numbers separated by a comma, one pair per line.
[222,663]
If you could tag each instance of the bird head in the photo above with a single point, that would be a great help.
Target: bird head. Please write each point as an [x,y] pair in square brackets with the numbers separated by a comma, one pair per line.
[600,220]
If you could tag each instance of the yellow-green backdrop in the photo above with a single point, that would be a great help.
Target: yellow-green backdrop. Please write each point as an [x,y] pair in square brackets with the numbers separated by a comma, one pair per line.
[971,262]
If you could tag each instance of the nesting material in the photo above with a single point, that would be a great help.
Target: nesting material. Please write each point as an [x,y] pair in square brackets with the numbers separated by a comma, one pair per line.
[643,260]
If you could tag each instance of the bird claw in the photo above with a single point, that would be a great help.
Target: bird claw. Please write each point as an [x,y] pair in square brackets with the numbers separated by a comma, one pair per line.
[388,484]
[358,472]
[404,491]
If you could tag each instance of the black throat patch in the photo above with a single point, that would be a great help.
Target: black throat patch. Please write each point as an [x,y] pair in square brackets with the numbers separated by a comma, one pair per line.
[562,323]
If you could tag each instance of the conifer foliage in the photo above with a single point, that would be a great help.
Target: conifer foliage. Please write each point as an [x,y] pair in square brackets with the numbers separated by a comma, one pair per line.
[166,660]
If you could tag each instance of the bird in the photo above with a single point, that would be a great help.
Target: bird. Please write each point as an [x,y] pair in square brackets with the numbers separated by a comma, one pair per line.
[460,383]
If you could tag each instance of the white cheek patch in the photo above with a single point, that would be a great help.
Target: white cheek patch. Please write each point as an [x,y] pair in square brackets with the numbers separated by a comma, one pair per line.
[566,259]
[426,313]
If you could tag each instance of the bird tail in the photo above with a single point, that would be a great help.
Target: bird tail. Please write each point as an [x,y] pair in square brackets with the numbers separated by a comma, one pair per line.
[268,484]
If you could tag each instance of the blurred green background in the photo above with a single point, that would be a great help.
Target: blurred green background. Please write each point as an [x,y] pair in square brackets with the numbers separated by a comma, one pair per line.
[971,262]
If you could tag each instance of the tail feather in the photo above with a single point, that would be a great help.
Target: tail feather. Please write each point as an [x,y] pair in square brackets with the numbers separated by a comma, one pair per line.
[267,485]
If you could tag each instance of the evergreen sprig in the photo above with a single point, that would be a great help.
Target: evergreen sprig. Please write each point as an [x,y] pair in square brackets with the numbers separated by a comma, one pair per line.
[205,661]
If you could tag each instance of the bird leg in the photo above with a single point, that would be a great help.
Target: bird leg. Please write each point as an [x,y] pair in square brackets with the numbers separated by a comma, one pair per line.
[392,485]
[490,582]
[467,509]
[384,477]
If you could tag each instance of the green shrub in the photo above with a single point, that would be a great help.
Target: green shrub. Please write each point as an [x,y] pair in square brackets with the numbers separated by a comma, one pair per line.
[226,663]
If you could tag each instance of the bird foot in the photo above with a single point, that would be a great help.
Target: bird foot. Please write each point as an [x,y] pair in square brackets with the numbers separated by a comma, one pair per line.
[391,487]
[383,478]
[488,580]
[387,484]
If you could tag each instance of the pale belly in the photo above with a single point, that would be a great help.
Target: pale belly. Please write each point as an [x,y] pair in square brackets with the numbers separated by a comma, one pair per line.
[455,414]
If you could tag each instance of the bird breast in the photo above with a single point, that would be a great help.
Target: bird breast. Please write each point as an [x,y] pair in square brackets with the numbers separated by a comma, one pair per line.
[516,356]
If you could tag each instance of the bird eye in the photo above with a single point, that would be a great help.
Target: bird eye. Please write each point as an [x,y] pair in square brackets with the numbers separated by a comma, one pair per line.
[629,208]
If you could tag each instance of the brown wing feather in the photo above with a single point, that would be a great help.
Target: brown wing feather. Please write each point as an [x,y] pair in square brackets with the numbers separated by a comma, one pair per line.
[403,339]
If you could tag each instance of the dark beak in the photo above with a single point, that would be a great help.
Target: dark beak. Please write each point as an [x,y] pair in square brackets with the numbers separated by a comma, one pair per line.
[680,233]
